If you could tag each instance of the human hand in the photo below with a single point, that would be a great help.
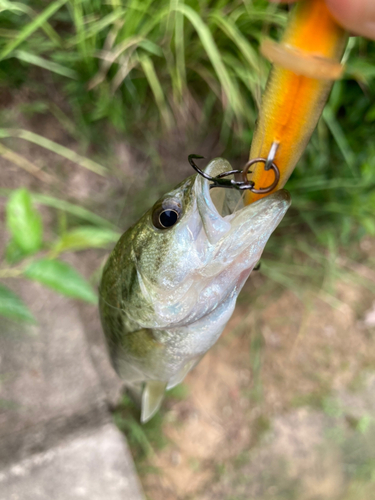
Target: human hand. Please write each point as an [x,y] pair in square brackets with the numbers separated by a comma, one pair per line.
[357,16]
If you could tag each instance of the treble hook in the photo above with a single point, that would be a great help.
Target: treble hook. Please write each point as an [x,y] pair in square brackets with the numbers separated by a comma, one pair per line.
[220,181]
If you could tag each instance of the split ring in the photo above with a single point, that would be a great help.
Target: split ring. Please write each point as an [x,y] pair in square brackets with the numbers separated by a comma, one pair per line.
[272,166]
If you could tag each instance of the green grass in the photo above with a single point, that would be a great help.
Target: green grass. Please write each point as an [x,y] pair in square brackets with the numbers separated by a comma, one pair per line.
[132,61]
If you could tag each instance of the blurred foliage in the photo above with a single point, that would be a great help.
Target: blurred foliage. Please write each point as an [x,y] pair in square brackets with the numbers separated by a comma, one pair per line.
[141,61]
[28,255]
[144,439]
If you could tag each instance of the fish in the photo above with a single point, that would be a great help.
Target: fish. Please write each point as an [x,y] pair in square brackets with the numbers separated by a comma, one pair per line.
[171,283]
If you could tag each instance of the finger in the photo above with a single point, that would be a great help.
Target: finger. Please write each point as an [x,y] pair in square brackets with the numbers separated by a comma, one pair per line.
[357,16]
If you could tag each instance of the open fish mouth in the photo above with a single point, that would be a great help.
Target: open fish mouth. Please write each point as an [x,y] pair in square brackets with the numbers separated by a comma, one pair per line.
[223,213]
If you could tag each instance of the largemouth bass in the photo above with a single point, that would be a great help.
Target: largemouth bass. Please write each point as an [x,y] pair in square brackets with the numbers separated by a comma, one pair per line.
[171,283]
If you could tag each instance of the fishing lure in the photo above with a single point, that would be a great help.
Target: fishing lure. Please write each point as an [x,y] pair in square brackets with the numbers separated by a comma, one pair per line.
[171,283]
[305,64]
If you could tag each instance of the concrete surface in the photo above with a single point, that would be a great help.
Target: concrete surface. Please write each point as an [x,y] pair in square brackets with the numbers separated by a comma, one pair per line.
[92,465]
[57,439]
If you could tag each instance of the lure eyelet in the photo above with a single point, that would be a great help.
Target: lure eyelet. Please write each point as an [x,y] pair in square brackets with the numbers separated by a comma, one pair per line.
[166,214]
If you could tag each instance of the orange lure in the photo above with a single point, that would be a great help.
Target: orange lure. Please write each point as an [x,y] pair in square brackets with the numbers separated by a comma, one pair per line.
[305,64]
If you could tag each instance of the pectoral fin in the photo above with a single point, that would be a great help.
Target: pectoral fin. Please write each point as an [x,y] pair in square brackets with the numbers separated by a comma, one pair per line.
[153,394]
[179,377]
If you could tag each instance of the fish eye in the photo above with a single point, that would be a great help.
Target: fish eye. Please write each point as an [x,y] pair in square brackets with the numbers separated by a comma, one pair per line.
[166,214]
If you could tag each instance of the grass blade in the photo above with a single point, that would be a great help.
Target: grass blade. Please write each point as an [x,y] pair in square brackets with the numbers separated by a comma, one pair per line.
[31,27]
[44,63]
[55,148]
[25,9]
[231,30]
[340,138]
[101,24]
[179,44]
[85,237]
[230,90]
[22,162]
[157,90]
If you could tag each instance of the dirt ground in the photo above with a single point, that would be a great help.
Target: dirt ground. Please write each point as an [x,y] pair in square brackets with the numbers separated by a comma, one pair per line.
[282,407]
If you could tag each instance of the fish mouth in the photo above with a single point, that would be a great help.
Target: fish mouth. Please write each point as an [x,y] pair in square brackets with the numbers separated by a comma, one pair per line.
[224,215]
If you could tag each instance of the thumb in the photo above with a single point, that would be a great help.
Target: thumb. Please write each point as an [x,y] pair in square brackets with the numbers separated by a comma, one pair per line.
[358,16]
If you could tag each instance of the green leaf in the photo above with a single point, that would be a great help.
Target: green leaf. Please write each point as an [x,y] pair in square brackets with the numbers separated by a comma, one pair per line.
[14,253]
[61,277]
[369,224]
[85,237]
[24,222]
[12,306]
[76,210]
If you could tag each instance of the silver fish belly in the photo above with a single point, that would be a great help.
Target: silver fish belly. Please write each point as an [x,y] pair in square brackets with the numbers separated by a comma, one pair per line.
[171,283]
